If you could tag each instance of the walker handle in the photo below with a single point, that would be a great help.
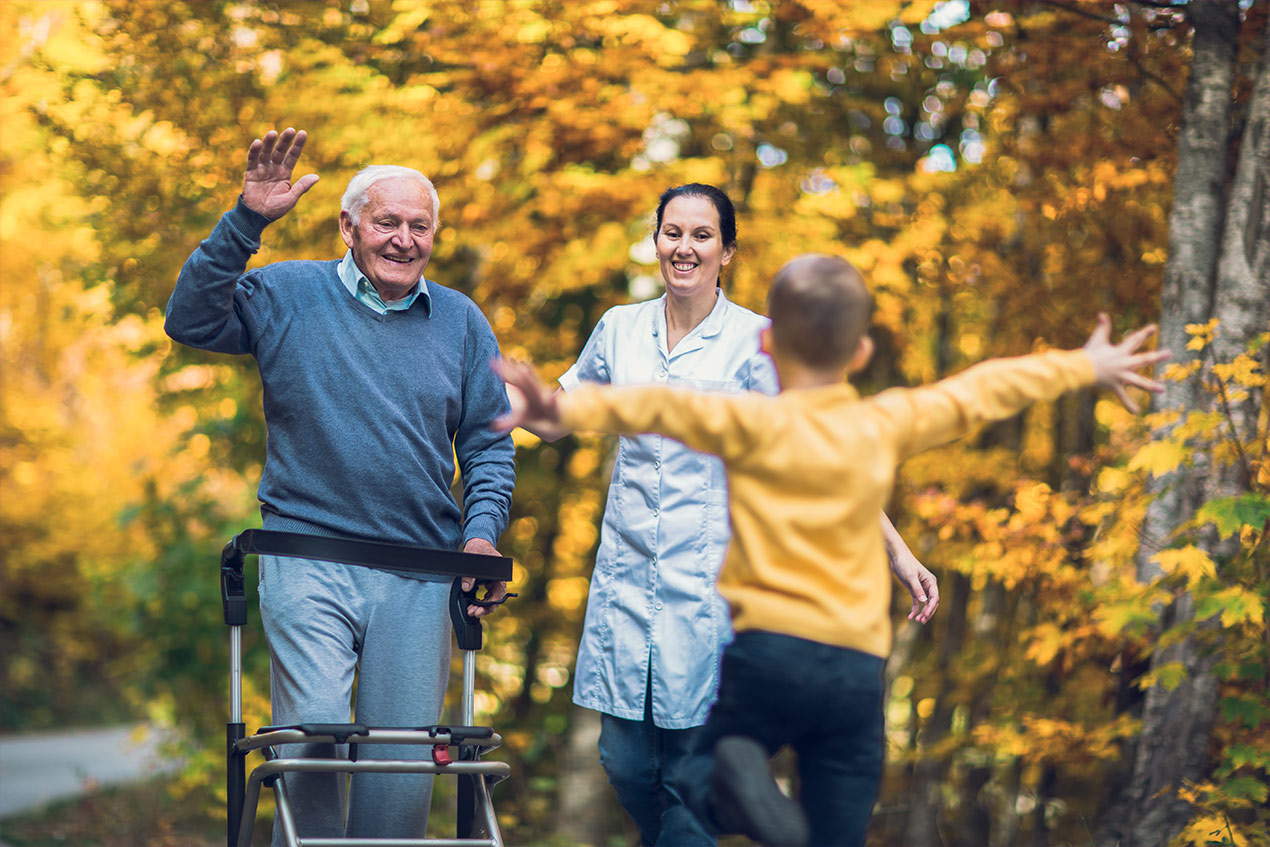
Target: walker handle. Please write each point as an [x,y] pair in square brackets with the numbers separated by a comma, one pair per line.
[370,554]
[467,629]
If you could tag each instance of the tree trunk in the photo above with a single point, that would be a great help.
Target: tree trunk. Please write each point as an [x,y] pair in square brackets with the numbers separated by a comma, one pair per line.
[1195,226]
[585,804]
[1242,301]
[921,826]
[1199,282]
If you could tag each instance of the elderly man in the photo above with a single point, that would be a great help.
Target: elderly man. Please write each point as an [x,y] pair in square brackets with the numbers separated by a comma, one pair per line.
[375,381]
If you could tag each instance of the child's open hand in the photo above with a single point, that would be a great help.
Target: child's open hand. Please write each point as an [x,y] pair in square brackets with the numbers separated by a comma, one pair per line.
[1116,365]
[533,405]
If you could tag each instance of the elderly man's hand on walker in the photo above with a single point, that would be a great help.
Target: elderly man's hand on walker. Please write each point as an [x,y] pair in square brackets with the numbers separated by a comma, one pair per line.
[494,591]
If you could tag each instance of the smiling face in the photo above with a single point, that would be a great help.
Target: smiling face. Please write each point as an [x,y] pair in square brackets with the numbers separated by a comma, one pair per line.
[690,246]
[392,239]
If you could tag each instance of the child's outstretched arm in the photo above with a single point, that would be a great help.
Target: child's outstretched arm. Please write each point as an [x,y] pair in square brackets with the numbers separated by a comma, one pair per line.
[534,406]
[921,418]
[1116,365]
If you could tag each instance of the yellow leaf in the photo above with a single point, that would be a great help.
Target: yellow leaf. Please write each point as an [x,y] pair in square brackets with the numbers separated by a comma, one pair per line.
[1113,480]
[888,191]
[1212,829]
[1179,372]
[1046,641]
[1190,561]
[1243,371]
[1201,334]
[1199,424]
[1032,501]
[914,13]
[1158,457]
[1205,329]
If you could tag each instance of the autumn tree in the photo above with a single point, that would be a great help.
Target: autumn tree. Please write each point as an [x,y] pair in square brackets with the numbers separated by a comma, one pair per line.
[1219,270]
[1000,172]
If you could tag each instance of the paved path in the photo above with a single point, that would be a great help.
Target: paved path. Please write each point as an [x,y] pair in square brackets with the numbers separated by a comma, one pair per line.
[38,768]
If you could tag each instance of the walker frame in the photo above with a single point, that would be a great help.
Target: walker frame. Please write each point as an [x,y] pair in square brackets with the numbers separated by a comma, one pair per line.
[477,825]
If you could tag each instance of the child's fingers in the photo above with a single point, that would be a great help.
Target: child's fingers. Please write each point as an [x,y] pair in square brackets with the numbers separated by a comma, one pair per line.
[1102,331]
[1125,399]
[1138,337]
[1146,383]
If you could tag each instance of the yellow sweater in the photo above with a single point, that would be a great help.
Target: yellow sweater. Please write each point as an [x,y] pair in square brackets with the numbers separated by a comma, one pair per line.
[809,472]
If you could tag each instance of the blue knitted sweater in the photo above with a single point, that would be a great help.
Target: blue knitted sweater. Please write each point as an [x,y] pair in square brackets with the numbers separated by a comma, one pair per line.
[366,413]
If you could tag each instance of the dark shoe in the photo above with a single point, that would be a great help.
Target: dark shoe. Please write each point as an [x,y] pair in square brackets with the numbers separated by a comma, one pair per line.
[746,799]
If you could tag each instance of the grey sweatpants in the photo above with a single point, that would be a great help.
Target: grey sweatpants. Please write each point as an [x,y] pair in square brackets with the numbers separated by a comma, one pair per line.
[323,621]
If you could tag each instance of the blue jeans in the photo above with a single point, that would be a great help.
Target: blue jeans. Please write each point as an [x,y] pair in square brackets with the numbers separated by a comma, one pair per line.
[825,702]
[641,760]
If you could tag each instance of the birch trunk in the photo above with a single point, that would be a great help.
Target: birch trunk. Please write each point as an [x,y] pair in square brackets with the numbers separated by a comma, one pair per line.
[1218,268]
[1195,227]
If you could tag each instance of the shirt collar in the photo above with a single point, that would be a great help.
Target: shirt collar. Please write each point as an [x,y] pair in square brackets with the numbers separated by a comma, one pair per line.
[713,323]
[710,326]
[360,287]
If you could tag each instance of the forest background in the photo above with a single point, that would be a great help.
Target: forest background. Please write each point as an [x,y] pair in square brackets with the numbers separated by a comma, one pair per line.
[1001,172]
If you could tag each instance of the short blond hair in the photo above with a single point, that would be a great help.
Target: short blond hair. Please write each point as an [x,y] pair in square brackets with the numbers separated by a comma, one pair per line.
[820,309]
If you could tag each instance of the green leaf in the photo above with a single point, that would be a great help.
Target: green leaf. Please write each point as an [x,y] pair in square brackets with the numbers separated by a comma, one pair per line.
[1248,710]
[1131,615]
[1247,787]
[1170,675]
[1235,604]
[1252,670]
[1243,755]
[1230,514]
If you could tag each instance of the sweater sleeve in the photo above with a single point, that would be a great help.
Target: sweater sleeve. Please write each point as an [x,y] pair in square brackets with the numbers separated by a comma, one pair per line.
[487,460]
[921,418]
[209,306]
[725,425]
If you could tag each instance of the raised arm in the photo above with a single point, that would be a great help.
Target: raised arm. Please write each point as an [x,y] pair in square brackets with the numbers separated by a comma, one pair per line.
[921,418]
[206,309]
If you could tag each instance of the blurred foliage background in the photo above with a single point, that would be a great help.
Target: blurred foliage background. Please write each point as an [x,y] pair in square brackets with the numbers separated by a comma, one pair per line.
[1001,172]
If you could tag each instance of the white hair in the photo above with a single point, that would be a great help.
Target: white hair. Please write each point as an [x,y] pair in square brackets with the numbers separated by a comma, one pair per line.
[357,194]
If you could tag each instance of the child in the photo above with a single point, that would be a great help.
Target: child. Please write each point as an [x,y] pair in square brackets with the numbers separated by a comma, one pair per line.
[805,575]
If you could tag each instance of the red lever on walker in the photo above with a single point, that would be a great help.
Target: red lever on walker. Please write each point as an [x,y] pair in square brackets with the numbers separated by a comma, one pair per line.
[441,754]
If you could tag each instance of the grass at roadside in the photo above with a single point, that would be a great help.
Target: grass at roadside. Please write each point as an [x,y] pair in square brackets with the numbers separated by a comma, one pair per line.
[145,815]
[139,815]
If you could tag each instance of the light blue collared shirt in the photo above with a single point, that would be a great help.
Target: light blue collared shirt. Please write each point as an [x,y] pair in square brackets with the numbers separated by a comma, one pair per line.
[360,287]
[665,529]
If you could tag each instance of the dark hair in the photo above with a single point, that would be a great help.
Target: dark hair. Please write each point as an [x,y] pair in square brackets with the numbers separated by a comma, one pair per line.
[820,309]
[722,204]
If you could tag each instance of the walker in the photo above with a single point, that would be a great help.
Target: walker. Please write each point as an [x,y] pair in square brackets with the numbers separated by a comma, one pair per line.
[477,825]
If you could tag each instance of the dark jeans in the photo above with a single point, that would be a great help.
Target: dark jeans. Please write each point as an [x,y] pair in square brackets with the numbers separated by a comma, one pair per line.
[641,759]
[826,702]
